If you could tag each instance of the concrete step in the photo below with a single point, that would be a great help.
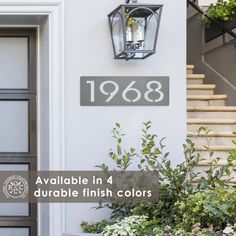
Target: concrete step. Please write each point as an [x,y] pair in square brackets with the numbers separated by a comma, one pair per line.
[205,166]
[206,100]
[217,148]
[200,89]
[190,69]
[214,112]
[219,151]
[212,124]
[221,154]
[206,163]
[195,78]
[215,138]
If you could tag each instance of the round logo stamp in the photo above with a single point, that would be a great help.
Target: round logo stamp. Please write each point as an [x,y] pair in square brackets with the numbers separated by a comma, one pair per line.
[15,187]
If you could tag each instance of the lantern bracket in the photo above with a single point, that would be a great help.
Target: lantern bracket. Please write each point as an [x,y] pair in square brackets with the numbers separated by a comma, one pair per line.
[133,1]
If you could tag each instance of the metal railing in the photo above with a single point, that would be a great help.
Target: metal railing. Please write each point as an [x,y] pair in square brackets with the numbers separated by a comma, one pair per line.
[225,29]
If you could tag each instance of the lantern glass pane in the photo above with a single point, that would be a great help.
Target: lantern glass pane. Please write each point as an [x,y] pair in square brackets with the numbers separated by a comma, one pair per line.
[151,33]
[117,33]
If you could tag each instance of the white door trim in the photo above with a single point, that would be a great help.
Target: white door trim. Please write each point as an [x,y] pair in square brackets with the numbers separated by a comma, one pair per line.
[54,9]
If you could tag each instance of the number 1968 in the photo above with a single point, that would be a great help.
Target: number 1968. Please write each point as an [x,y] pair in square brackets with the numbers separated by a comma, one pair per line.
[124,91]
[152,88]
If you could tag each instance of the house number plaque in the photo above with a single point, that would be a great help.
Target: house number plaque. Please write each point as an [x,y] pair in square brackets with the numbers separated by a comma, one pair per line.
[124,91]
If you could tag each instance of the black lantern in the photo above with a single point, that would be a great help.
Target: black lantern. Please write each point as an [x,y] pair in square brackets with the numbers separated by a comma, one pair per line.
[134,30]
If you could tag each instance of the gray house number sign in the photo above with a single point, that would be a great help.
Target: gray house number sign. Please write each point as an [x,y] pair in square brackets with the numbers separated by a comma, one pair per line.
[124,91]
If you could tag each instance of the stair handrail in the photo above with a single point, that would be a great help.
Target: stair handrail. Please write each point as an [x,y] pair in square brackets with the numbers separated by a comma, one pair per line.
[215,21]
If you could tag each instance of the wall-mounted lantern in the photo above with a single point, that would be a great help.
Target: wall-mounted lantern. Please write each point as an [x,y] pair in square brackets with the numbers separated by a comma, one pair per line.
[134,30]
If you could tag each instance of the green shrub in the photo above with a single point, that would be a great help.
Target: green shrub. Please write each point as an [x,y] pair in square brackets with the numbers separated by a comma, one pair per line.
[179,185]
[222,10]
[176,182]
[215,208]
[97,227]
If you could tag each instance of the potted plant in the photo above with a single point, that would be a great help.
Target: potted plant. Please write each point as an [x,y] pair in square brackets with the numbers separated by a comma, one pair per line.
[224,12]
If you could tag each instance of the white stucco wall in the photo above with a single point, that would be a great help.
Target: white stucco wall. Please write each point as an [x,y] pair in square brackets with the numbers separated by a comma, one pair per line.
[206,2]
[89,53]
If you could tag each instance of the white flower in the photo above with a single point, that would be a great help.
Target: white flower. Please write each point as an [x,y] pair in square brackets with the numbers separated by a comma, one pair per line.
[228,230]
[125,227]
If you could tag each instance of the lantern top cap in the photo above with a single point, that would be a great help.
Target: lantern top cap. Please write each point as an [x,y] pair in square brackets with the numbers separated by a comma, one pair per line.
[142,10]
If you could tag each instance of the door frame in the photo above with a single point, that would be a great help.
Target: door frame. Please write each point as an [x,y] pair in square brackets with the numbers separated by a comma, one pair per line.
[54,10]
[27,95]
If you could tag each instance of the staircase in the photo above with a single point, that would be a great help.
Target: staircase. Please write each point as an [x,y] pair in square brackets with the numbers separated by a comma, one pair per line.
[205,108]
